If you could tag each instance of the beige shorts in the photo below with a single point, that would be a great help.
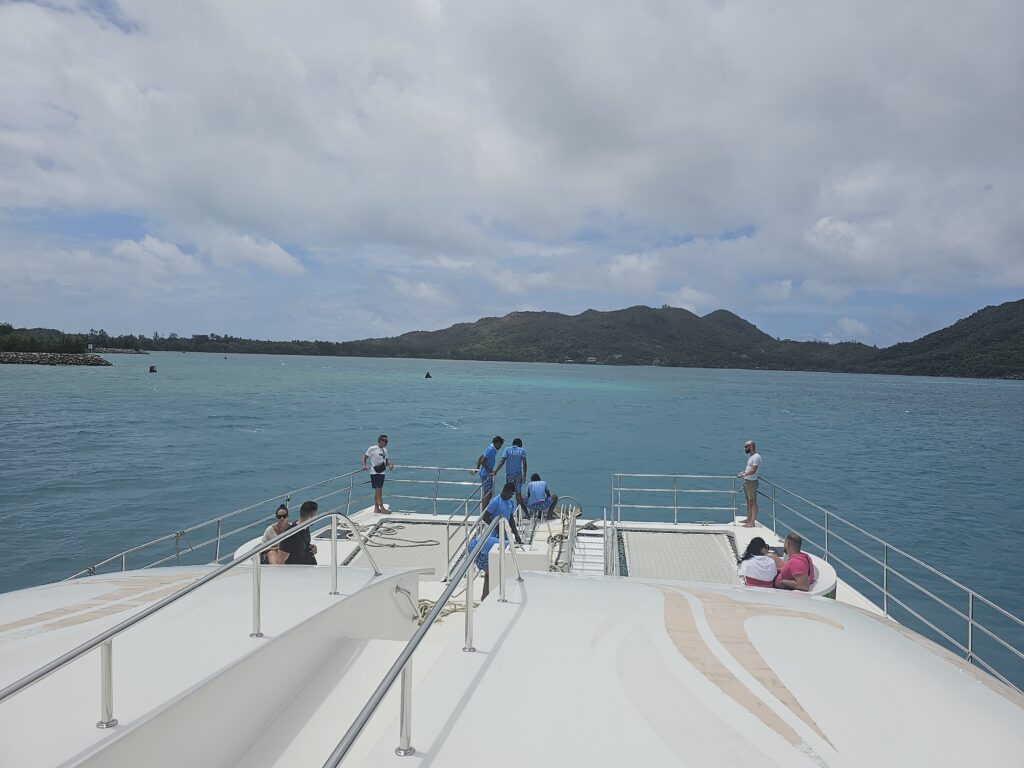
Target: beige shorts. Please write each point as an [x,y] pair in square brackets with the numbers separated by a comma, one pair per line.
[750,489]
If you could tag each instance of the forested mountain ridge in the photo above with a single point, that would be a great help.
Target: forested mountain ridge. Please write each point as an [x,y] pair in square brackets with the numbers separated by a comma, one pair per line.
[988,344]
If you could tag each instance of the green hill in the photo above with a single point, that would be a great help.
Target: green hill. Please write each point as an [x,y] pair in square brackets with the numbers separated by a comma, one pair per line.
[988,344]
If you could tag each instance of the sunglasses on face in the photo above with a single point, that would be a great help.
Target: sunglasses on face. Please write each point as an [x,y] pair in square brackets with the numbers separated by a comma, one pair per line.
[283,517]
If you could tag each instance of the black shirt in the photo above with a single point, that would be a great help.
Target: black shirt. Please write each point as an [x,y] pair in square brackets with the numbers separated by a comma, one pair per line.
[297,547]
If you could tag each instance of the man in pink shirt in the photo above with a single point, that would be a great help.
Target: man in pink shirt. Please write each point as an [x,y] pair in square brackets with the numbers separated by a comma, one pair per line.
[796,571]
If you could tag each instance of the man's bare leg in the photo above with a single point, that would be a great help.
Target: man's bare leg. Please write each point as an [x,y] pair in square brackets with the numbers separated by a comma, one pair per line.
[751,514]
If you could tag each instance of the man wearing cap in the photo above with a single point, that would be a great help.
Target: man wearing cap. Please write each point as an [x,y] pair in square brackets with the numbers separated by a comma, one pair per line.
[750,482]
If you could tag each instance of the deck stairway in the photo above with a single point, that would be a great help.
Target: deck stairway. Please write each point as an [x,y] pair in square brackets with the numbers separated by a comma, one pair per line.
[588,554]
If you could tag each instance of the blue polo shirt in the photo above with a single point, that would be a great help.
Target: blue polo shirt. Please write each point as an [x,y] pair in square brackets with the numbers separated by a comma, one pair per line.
[490,455]
[499,506]
[514,456]
[536,492]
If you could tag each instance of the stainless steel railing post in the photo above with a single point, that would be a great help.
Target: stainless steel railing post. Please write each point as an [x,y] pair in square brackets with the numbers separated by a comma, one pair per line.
[970,626]
[735,507]
[604,538]
[124,562]
[773,509]
[515,558]
[885,579]
[437,483]
[107,719]
[826,538]
[501,562]
[675,501]
[470,576]
[334,555]
[256,597]
[216,555]
[405,748]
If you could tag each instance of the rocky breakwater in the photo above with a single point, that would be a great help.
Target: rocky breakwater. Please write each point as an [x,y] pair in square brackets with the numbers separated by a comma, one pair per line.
[51,358]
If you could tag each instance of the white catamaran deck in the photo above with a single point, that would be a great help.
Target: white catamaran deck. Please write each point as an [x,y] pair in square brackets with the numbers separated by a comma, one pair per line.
[617,672]
[625,643]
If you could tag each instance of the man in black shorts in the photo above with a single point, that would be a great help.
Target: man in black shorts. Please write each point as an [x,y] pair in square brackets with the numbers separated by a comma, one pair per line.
[377,462]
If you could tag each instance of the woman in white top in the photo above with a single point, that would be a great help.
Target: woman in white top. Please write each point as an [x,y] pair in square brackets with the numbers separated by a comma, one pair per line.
[275,556]
[756,567]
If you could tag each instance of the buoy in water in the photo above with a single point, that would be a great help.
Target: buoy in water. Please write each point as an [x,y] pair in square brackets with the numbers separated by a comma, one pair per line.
[152,369]
[428,376]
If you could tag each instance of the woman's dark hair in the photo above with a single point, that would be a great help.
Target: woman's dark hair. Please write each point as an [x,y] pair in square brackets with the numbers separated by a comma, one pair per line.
[753,549]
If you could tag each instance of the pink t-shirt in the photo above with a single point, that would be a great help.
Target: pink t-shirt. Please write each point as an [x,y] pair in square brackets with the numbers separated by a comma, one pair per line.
[795,565]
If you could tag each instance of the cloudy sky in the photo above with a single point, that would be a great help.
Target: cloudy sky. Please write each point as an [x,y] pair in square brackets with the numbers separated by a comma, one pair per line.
[338,170]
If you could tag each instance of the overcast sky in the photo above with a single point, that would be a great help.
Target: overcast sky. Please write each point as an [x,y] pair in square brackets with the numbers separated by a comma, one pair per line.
[339,170]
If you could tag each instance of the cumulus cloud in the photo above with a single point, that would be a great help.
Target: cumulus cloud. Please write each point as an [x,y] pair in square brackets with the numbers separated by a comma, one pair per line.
[157,255]
[229,249]
[775,291]
[572,154]
[849,328]
[689,298]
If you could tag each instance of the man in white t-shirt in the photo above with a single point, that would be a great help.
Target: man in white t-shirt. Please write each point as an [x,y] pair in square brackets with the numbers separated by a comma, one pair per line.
[750,483]
[376,461]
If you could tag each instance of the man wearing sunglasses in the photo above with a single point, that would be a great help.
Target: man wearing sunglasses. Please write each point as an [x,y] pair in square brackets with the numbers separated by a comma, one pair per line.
[376,461]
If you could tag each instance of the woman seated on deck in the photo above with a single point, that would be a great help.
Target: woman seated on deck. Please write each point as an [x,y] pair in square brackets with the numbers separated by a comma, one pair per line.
[756,567]
[275,556]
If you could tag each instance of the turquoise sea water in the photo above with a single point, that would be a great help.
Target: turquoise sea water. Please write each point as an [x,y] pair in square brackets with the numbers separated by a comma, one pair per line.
[93,460]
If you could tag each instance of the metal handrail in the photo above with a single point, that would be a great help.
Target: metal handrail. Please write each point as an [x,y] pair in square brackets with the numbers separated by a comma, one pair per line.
[105,638]
[221,535]
[400,665]
[618,489]
[216,520]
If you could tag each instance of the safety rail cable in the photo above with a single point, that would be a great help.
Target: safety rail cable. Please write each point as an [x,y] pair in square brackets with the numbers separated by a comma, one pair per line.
[830,527]
[618,490]
[464,505]
[357,726]
[898,551]
[171,536]
[893,549]
[221,535]
[968,649]
[48,669]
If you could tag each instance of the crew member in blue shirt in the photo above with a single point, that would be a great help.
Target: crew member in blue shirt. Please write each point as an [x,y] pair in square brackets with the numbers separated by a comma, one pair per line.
[485,467]
[504,506]
[514,460]
[539,498]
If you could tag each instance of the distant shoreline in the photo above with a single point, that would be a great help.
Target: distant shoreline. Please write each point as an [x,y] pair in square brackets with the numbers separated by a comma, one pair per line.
[51,358]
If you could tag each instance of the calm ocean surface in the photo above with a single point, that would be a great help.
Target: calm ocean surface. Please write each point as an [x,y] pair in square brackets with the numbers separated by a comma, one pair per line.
[94,460]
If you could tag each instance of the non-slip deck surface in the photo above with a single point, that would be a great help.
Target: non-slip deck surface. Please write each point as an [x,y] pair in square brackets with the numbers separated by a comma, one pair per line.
[409,545]
[682,556]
